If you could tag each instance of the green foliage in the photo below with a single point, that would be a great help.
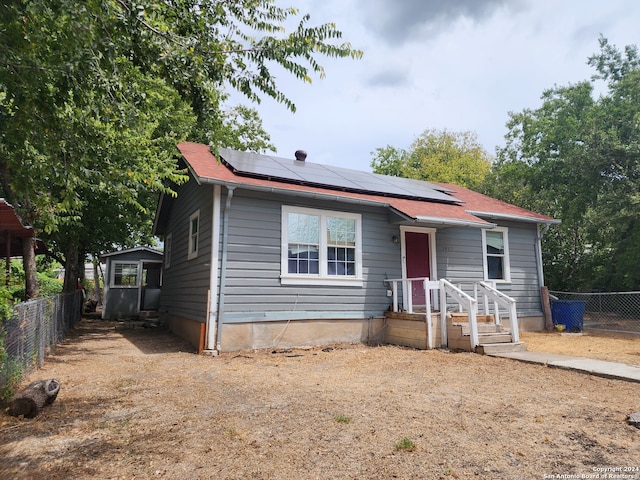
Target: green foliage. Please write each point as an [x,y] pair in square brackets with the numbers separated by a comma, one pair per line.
[405,445]
[6,305]
[47,283]
[9,373]
[48,286]
[94,96]
[577,158]
[231,432]
[10,376]
[47,266]
[437,156]
[340,418]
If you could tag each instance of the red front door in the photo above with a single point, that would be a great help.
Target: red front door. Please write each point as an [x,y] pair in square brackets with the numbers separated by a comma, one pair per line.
[418,264]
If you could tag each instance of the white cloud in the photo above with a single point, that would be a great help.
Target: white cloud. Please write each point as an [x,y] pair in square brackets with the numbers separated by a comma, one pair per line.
[459,65]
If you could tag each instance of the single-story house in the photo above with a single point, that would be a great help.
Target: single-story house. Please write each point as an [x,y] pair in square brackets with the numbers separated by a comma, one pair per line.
[263,252]
[132,283]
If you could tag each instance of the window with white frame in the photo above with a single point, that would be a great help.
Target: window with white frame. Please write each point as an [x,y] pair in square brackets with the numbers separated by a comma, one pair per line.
[167,250]
[194,231]
[495,244]
[124,274]
[321,247]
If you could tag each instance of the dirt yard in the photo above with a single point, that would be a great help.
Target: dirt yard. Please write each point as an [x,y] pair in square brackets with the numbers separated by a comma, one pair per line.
[141,404]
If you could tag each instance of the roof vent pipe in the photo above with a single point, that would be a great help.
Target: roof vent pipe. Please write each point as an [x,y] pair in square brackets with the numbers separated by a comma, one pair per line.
[301,155]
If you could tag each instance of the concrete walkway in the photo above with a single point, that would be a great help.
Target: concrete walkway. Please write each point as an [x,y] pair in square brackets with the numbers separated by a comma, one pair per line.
[600,368]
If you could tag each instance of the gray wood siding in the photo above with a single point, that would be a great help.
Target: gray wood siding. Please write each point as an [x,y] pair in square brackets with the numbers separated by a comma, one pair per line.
[186,282]
[460,256]
[253,291]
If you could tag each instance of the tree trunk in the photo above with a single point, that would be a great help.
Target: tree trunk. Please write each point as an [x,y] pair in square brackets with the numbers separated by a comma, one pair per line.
[30,268]
[36,395]
[96,279]
[546,308]
[71,269]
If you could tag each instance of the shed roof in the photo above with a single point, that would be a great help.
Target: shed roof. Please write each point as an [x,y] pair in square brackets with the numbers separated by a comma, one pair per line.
[132,250]
[461,207]
[11,226]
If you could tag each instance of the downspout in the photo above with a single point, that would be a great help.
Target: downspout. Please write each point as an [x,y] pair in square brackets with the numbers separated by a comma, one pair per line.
[212,319]
[538,249]
[223,264]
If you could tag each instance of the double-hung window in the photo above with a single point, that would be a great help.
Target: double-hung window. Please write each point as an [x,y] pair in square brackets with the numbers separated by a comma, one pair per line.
[167,250]
[321,247]
[495,245]
[194,231]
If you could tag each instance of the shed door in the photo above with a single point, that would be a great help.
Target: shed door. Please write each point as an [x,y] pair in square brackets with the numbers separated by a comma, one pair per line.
[417,262]
[151,281]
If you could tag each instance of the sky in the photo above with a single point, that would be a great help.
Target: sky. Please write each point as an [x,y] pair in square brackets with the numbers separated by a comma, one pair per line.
[459,65]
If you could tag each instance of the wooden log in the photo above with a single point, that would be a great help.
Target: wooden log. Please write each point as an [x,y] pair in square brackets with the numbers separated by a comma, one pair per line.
[546,308]
[36,395]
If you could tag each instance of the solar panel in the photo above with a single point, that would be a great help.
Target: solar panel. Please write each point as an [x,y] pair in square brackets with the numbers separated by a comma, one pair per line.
[325,176]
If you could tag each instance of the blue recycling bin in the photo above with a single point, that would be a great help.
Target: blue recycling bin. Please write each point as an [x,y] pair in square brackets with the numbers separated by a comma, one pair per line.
[569,313]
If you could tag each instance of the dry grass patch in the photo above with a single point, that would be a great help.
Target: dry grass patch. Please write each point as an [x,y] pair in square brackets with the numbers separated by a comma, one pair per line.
[612,347]
[141,404]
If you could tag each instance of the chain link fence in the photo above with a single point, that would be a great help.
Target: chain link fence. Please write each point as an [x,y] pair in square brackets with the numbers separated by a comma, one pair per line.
[608,312]
[33,331]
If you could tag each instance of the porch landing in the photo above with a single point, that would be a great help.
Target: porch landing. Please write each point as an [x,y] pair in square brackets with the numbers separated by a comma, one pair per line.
[410,330]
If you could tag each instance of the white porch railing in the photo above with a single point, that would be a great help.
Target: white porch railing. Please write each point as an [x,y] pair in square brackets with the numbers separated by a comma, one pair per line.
[407,284]
[489,292]
[465,303]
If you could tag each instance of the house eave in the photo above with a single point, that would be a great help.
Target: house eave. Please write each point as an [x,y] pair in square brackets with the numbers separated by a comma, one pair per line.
[295,193]
[517,218]
[156,218]
[453,222]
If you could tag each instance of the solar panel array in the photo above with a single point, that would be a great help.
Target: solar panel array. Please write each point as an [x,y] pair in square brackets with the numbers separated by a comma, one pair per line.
[326,176]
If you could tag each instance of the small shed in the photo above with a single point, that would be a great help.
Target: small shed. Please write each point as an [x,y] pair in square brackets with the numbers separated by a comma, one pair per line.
[133,281]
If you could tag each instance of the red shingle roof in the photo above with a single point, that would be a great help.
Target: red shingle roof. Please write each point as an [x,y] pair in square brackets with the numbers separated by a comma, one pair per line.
[11,227]
[474,211]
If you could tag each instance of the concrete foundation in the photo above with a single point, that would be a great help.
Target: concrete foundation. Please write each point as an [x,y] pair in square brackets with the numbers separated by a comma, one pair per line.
[531,324]
[300,333]
[407,330]
[281,334]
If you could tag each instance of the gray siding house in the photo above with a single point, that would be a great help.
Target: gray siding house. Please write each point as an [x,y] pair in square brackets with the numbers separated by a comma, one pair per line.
[265,252]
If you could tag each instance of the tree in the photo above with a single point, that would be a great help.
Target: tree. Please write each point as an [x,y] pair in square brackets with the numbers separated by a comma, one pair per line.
[94,96]
[577,158]
[437,156]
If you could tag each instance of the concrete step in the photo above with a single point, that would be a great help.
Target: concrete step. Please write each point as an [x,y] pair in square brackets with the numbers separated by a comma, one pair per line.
[497,348]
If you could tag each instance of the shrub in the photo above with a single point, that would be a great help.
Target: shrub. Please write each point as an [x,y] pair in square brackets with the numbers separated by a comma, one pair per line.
[405,445]
[10,372]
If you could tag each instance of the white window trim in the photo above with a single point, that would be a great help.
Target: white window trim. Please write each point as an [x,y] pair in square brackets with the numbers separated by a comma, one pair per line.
[167,249]
[112,279]
[193,253]
[506,263]
[322,278]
